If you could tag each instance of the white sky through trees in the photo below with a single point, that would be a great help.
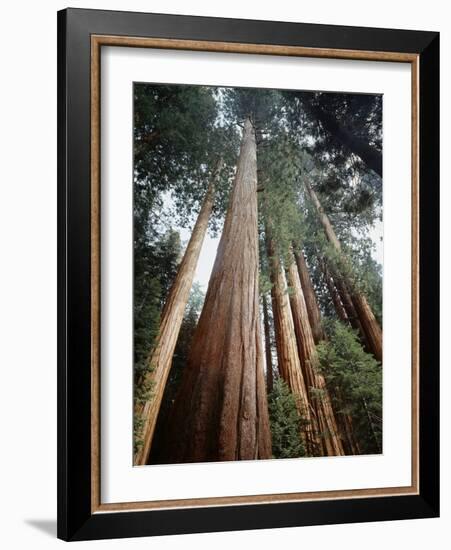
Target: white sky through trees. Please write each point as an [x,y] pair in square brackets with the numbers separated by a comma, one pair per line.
[206,258]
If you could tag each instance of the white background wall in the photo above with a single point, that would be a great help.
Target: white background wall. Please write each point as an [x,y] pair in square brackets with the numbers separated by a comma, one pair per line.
[28,271]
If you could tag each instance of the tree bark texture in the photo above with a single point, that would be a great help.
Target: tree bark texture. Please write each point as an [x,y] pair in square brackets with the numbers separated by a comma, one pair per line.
[221,412]
[369,325]
[314,313]
[289,363]
[334,294]
[343,419]
[171,320]
[351,312]
[319,400]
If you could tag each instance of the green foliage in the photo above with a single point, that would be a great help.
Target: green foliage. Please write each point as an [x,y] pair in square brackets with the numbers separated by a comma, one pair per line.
[360,114]
[367,274]
[178,139]
[262,106]
[279,202]
[358,377]
[356,263]
[155,271]
[155,266]
[147,320]
[171,125]
[286,422]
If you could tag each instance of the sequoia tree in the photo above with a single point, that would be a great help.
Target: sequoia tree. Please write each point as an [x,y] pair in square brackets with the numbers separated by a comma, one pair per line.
[175,144]
[334,406]
[160,359]
[318,394]
[311,301]
[220,412]
[334,294]
[289,363]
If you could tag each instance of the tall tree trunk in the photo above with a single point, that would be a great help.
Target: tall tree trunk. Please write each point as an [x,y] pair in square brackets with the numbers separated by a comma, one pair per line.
[334,294]
[343,419]
[287,353]
[370,155]
[319,399]
[268,354]
[370,327]
[314,313]
[220,412]
[160,360]
[351,312]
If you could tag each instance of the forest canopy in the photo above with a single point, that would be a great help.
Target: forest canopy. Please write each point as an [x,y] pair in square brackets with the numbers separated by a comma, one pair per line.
[257,274]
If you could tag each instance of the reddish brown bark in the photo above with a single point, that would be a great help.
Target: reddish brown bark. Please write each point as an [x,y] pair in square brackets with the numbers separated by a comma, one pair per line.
[220,412]
[160,359]
[314,313]
[318,394]
[336,299]
[351,312]
[370,327]
[289,364]
[343,420]
[268,354]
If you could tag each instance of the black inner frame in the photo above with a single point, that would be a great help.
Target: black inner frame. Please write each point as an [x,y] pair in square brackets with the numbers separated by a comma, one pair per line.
[75,520]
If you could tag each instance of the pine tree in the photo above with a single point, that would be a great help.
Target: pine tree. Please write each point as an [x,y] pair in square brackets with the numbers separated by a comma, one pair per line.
[308,290]
[318,393]
[288,360]
[286,422]
[358,376]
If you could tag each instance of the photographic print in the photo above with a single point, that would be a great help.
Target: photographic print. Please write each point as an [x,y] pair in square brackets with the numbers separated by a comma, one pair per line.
[241,206]
[258,254]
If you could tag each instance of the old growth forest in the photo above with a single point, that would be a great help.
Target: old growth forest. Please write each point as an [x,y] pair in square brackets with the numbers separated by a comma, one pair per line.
[280,355]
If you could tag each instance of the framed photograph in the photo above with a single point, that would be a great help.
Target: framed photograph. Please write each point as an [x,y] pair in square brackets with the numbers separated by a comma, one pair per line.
[248,274]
